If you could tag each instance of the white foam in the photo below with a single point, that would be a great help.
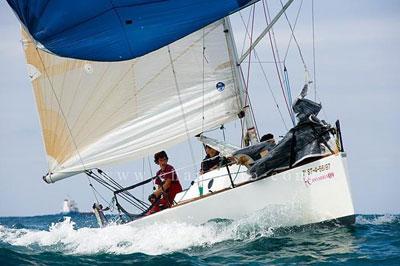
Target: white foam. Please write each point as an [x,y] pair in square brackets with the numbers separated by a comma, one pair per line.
[376,220]
[126,239]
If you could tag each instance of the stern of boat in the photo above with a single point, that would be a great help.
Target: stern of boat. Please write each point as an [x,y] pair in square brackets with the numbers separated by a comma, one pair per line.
[328,188]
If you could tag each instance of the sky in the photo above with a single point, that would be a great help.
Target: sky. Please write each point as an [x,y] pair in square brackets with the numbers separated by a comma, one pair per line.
[357,63]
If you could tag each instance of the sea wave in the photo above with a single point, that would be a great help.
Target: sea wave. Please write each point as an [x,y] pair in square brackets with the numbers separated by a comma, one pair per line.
[126,239]
[377,219]
[55,239]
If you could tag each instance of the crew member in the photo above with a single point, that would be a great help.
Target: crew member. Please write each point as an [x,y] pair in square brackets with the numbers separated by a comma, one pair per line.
[269,138]
[168,184]
[211,161]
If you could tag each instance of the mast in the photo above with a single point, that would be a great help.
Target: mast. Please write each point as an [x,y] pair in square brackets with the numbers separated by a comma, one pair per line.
[249,123]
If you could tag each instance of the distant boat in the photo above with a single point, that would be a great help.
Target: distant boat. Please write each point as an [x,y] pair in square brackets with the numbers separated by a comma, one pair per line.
[69,206]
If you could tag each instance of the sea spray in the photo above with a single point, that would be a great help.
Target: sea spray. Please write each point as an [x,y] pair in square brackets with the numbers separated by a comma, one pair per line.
[73,240]
[125,239]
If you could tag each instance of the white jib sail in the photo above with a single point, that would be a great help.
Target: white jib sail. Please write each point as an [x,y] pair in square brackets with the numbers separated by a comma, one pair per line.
[98,113]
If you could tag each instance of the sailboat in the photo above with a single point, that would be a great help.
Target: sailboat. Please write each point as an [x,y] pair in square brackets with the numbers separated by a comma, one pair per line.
[116,81]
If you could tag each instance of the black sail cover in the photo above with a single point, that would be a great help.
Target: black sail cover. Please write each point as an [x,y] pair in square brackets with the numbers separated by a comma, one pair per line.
[310,138]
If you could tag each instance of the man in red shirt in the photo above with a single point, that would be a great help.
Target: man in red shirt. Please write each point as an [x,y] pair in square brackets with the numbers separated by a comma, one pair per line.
[168,186]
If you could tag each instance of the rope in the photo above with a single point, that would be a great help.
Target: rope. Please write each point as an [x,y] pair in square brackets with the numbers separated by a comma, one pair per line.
[66,123]
[289,93]
[223,131]
[247,102]
[291,35]
[143,178]
[109,203]
[250,106]
[266,78]
[248,65]
[266,11]
[247,29]
[127,196]
[203,85]
[298,46]
[313,45]
[242,131]
[181,105]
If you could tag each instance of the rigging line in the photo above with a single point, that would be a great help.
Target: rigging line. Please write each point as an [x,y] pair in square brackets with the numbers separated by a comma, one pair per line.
[57,100]
[289,93]
[223,131]
[266,30]
[323,110]
[143,177]
[151,171]
[242,130]
[286,79]
[93,190]
[181,105]
[276,65]
[246,25]
[246,82]
[295,40]
[212,129]
[117,186]
[66,121]
[112,183]
[278,57]
[109,203]
[25,42]
[237,173]
[294,27]
[273,96]
[250,106]
[112,189]
[248,65]
[150,168]
[268,83]
[262,62]
[203,90]
[274,39]
[313,46]
[203,85]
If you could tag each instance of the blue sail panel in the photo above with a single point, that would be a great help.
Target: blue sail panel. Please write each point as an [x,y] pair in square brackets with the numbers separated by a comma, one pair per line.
[116,30]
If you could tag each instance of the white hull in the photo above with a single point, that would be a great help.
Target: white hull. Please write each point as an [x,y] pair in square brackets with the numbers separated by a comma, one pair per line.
[312,193]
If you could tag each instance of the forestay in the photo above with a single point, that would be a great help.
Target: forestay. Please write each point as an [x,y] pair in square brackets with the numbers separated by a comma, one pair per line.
[97,113]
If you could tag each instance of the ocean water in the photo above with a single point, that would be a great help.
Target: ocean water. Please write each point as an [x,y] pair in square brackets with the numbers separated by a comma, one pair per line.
[68,240]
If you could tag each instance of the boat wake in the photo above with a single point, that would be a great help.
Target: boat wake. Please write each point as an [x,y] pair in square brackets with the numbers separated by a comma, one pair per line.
[73,240]
[153,239]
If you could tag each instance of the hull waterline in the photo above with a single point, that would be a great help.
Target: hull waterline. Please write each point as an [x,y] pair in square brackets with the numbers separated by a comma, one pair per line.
[312,193]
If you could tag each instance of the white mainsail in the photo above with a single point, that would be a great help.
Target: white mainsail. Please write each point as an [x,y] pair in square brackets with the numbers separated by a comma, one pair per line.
[97,113]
